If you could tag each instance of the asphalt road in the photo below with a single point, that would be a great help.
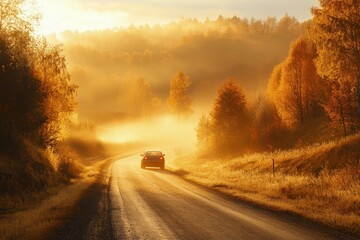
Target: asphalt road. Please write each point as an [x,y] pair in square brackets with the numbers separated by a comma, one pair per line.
[156,204]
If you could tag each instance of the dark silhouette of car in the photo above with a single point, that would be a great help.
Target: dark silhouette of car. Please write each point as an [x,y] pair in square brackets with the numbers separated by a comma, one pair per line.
[153,159]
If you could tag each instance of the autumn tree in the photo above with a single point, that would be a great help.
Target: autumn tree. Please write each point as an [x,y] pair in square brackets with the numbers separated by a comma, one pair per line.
[16,77]
[36,95]
[58,93]
[138,98]
[17,27]
[335,30]
[340,107]
[19,92]
[273,88]
[229,120]
[260,122]
[288,25]
[265,121]
[295,87]
[204,133]
[179,101]
[12,17]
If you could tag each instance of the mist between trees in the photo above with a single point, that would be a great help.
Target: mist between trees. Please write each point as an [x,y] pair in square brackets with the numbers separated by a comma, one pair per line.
[318,83]
[105,64]
[313,86]
[130,72]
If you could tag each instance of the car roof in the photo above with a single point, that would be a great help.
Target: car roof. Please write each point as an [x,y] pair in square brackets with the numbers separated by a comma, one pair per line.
[153,152]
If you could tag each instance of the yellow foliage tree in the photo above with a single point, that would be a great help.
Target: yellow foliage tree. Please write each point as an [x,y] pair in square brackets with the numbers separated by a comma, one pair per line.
[36,95]
[57,91]
[179,101]
[138,98]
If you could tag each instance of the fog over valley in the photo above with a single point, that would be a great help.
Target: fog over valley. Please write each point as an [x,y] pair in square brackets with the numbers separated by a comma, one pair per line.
[104,64]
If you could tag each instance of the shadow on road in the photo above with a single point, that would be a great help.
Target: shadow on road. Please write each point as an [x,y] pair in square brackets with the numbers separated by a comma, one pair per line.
[179,172]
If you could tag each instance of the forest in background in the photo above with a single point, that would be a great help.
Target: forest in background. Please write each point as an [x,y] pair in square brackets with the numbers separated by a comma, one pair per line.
[317,84]
[304,129]
[260,86]
[222,70]
[125,73]
[107,65]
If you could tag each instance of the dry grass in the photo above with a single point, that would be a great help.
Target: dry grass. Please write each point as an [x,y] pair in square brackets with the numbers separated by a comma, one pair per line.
[36,214]
[38,220]
[321,182]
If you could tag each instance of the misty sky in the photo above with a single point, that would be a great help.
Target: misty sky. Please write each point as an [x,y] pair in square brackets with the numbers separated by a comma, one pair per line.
[82,15]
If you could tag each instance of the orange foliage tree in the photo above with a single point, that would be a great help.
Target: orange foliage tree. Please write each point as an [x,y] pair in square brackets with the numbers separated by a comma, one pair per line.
[273,88]
[341,106]
[138,98]
[226,129]
[179,101]
[295,87]
[335,31]
[268,131]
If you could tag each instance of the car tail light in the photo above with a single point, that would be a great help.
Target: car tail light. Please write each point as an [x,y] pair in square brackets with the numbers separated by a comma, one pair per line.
[161,158]
[145,158]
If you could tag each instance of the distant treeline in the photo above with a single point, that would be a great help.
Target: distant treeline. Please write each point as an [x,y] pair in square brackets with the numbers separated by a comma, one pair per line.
[105,63]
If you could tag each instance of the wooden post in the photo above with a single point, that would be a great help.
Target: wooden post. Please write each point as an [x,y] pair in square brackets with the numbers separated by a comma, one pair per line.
[273,163]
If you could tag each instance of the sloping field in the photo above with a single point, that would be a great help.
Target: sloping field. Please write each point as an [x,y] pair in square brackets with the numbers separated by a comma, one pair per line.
[320,182]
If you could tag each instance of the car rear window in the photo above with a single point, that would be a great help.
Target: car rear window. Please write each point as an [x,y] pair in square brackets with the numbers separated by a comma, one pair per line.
[153,153]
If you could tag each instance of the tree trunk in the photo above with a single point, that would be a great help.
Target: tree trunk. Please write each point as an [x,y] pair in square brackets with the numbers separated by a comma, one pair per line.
[358,93]
[342,118]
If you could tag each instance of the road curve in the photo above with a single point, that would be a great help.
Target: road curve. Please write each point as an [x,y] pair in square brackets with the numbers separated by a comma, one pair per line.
[156,204]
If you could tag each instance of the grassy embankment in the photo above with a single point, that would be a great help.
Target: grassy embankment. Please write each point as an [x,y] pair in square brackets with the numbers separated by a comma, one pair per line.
[320,182]
[34,212]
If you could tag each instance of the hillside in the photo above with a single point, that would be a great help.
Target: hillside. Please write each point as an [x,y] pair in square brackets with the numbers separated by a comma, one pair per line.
[320,182]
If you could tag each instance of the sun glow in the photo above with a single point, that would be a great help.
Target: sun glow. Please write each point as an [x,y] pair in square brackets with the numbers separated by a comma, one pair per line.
[84,15]
[161,130]
[58,16]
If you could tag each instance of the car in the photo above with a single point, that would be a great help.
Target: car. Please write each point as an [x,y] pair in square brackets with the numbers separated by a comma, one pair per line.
[153,159]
